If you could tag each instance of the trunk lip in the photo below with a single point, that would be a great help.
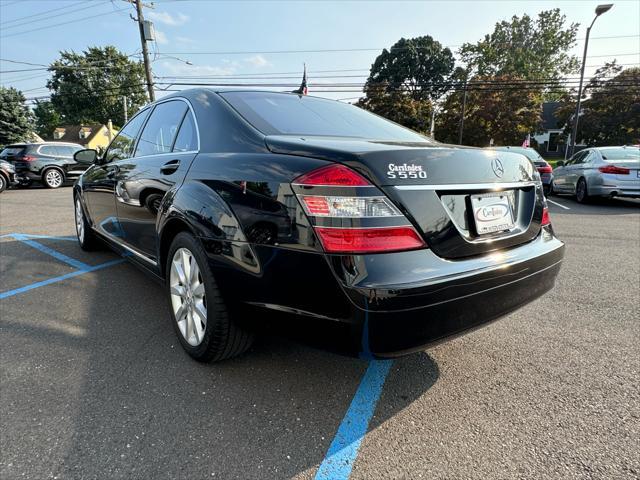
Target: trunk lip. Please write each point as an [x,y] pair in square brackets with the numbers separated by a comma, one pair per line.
[466,186]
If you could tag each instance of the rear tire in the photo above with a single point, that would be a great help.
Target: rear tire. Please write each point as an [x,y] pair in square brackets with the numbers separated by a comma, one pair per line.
[3,183]
[86,237]
[582,192]
[199,315]
[52,178]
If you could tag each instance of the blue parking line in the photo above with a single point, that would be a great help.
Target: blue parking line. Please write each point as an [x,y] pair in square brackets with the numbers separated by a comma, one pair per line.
[46,237]
[50,251]
[343,450]
[49,281]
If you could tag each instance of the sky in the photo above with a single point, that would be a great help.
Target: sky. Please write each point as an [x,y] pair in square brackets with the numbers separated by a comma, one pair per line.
[235,40]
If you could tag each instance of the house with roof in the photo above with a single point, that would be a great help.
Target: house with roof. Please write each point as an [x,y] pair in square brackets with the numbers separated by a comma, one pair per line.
[94,136]
[552,141]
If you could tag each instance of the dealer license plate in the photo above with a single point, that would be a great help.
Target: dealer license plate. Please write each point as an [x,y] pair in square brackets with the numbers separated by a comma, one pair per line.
[493,212]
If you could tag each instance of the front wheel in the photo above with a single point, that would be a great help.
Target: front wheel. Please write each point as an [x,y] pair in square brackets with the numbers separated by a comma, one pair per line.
[52,178]
[200,317]
[582,192]
[3,183]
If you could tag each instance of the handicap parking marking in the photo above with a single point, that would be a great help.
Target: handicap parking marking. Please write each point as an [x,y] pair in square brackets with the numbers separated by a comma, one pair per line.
[558,204]
[50,251]
[81,267]
[49,281]
[343,451]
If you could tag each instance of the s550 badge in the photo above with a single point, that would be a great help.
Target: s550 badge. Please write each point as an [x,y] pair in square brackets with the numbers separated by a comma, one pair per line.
[405,170]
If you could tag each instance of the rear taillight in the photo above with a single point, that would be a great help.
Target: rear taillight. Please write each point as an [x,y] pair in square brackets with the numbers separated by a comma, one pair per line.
[615,170]
[369,240]
[331,197]
[546,220]
[28,158]
[333,175]
[545,169]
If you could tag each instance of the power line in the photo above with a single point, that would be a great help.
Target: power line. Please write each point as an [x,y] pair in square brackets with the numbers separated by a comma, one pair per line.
[29,22]
[64,23]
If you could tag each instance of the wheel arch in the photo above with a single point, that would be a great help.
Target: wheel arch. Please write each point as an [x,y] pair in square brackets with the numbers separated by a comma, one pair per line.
[170,230]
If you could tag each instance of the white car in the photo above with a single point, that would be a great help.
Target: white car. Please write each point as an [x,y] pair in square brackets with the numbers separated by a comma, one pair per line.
[599,172]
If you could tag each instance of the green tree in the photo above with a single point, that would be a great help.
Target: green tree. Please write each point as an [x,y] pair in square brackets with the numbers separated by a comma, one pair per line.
[16,120]
[406,79]
[610,108]
[47,118]
[532,49]
[88,87]
[495,109]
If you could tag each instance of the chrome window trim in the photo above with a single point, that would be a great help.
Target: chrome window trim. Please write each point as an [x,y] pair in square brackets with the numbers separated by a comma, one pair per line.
[468,186]
[153,107]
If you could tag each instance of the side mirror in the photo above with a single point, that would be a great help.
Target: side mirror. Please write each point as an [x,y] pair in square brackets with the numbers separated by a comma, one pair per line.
[560,163]
[87,156]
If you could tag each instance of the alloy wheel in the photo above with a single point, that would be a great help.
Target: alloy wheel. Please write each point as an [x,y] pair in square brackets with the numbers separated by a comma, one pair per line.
[581,190]
[188,298]
[79,221]
[53,178]
[1,183]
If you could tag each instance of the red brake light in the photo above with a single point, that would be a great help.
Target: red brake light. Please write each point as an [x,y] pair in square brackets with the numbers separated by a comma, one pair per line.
[28,158]
[331,175]
[615,170]
[545,169]
[546,219]
[369,240]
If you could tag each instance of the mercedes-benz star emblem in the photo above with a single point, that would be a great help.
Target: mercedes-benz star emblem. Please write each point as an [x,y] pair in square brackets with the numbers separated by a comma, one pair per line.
[497,166]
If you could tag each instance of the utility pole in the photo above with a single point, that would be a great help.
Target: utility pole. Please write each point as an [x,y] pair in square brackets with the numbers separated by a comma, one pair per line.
[433,121]
[124,104]
[464,106]
[145,51]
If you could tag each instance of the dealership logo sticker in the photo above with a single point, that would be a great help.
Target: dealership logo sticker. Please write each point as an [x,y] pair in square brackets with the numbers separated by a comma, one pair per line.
[493,212]
[406,170]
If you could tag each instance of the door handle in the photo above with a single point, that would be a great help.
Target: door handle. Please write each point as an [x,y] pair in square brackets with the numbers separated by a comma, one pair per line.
[170,167]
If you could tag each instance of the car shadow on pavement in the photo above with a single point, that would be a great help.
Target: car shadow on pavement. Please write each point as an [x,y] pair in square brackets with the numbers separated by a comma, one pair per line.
[117,396]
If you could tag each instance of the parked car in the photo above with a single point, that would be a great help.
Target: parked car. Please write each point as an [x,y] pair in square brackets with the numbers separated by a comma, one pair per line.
[7,175]
[51,163]
[543,167]
[599,172]
[401,240]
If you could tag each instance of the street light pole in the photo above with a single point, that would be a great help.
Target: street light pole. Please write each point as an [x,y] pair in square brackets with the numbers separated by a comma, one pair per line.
[600,9]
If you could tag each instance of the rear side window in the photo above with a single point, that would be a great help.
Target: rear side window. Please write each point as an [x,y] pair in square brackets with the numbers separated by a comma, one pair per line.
[11,152]
[287,114]
[161,129]
[49,150]
[629,154]
[122,146]
[187,139]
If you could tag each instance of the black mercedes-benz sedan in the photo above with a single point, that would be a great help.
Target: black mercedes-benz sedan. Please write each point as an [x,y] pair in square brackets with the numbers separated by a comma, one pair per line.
[247,202]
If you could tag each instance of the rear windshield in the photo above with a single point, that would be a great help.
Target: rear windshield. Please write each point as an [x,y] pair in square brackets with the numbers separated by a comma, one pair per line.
[288,114]
[628,154]
[11,152]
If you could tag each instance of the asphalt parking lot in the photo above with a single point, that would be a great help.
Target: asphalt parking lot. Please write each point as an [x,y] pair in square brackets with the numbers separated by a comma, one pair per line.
[95,385]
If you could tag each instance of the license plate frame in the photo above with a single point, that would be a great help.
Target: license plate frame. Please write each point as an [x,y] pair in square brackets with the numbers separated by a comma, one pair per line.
[493,212]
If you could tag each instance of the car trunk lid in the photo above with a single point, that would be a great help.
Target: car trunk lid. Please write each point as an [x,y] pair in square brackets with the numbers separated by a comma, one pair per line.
[464,201]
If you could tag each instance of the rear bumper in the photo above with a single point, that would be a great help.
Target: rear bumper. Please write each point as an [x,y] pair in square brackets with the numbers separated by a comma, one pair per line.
[622,189]
[450,298]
